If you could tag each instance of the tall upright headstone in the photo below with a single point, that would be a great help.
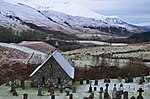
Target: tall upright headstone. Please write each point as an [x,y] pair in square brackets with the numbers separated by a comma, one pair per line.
[100,93]
[73,89]
[121,88]
[25,96]
[87,81]
[52,96]
[39,90]
[17,81]
[71,96]
[125,95]
[22,84]
[81,81]
[106,95]
[96,82]
[140,93]
[114,92]
[90,88]
[7,81]
[12,86]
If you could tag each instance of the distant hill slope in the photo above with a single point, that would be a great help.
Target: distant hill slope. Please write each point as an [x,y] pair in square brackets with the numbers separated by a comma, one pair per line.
[143,37]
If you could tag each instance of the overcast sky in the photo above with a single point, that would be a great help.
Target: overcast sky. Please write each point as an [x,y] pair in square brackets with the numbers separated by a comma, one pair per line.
[134,11]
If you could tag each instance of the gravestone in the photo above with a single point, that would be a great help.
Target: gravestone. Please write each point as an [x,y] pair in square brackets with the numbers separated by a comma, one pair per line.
[132,97]
[96,82]
[81,82]
[120,79]
[90,88]
[95,88]
[52,90]
[17,81]
[32,83]
[142,80]
[85,98]
[105,80]
[121,88]
[87,81]
[108,80]
[25,96]
[140,93]
[7,81]
[22,84]
[91,96]
[114,92]
[126,79]
[67,91]
[125,95]
[52,96]
[118,94]
[71,96]
[50,85]
[12,86]
[142,77]
[61,89]
[130,78]
[100,93]
[14,91]
[73,89]
[39,90]
[106,95]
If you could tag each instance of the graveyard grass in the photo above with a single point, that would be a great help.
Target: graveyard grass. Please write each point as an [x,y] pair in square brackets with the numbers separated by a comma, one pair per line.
[82,90]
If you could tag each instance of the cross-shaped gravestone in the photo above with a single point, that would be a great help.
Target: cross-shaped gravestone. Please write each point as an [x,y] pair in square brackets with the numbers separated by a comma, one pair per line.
[140,93]
[100,93]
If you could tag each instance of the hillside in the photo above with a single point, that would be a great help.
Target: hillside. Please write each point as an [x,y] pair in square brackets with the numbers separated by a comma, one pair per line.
[143,37]
[18,17]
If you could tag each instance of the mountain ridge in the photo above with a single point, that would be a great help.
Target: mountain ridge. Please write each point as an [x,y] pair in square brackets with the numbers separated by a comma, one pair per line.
[30,18]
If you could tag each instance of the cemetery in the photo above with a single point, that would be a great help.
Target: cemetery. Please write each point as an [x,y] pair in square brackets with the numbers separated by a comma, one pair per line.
[139,88]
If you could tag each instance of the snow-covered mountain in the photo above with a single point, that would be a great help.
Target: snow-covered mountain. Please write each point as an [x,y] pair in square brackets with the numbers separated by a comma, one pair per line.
[56,15]
[145,26]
